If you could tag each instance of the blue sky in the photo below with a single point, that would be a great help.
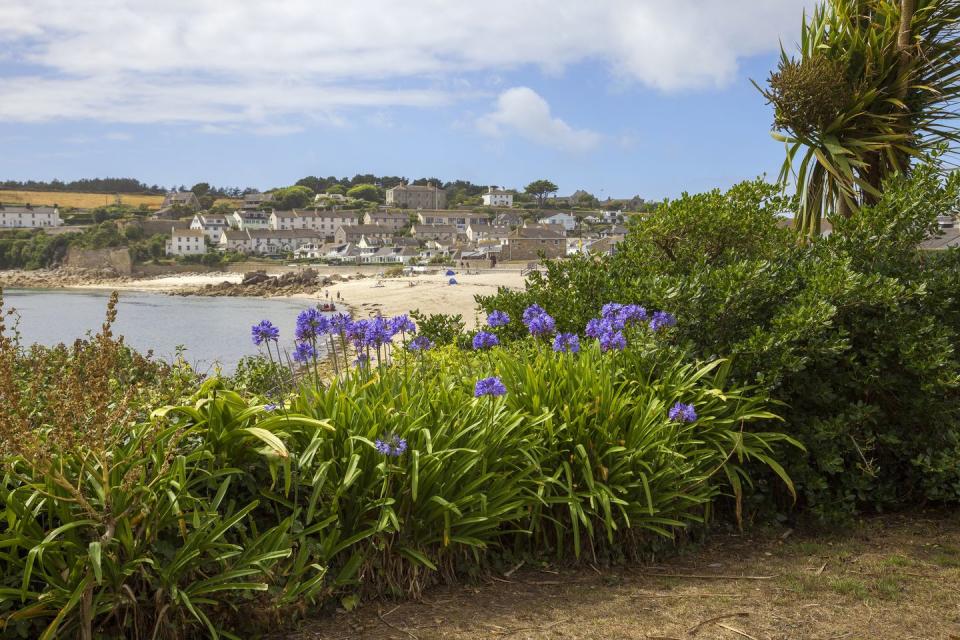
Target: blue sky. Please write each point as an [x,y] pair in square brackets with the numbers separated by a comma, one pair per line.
[617,97]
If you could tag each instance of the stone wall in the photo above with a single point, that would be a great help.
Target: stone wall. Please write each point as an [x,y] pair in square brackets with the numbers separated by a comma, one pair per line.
[98,259]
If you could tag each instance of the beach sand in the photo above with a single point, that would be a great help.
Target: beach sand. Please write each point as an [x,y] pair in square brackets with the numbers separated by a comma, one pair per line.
[429,293]
[366,296]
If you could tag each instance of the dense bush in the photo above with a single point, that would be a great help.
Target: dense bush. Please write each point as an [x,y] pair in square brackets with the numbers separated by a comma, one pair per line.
[854,333]
[223,512]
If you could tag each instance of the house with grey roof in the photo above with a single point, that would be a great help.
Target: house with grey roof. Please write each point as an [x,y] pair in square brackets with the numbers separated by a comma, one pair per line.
[28,216]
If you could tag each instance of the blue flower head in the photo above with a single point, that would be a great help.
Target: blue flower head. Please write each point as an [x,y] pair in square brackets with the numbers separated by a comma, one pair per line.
[661,320]
[403,324]
[304,352]
[420,343]
[613,341]
[264,332]
[682,413]
[610,310]
[311,324]
[596,328]
[567,343]
[498,319]
[392,446]
[450,272]
[452,281]
[489,387]
[531,312]
[542,325]
[340,322]
[485,340]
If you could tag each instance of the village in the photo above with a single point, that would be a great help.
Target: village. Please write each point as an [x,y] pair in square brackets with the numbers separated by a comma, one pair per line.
[412,227]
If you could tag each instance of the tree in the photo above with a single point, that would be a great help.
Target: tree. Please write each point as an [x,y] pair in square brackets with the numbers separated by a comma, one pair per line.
[540,189]
[875,87]
[337,189]
[368,192]
[200,189]
[315,184]
[295,197]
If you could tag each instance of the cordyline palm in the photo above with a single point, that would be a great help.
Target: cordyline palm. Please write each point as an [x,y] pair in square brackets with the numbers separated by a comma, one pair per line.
[876,86]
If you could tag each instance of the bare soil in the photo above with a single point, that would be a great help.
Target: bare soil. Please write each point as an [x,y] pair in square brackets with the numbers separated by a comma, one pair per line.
[895,576]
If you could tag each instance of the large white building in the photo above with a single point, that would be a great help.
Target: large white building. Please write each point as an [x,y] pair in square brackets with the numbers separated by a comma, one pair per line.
[497,198]
[29,217]
[567,221]
[325,223]
[186,242]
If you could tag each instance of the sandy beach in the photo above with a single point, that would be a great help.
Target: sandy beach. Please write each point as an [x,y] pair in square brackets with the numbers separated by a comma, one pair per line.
[365,296]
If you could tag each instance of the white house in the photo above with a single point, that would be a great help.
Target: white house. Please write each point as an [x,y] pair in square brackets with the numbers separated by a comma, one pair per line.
[212,225]
[568,221]
[235,240]
[186,242]
[30,217]
[249,219]
[325,223]
[497,198]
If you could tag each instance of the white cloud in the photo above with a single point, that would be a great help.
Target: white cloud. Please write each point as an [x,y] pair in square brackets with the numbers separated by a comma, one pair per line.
[248,61]
[523,111]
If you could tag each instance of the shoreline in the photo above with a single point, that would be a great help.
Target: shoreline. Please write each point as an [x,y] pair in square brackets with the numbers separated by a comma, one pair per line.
[364,296]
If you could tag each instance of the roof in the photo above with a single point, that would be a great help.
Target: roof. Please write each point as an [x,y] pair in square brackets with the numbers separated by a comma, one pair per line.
[258,197]
[195,233]
[24,209]
[361,229]
[289,234]
[435,228]
[414,187]
[252,214]
[212,217]
[389,215]
[234,234]
[180,196]
[534,233]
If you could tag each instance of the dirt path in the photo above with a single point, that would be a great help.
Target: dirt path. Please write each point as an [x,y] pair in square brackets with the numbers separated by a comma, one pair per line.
[890,577]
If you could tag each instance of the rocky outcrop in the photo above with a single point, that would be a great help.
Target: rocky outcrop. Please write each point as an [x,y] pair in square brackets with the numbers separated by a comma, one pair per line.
[57,278]
[260,284]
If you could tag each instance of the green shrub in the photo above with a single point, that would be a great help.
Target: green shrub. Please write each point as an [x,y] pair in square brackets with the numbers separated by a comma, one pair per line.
[855,333]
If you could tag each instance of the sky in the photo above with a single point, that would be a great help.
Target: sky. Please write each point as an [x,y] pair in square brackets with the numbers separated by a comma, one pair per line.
[618,97]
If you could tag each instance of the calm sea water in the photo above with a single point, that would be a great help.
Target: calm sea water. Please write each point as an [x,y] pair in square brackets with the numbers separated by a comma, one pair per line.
[210,329]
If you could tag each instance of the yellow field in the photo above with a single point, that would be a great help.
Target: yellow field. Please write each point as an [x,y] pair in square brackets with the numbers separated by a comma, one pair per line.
[76,200]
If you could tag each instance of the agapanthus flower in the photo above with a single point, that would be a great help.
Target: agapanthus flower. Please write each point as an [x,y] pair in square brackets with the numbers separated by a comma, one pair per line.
[340,322]
[662,319]
[452,281]
[489,387]
[450,272]
[304,352]
[632,313]
[542,325]
[311,324]
[270,407]
[402,324]
[264,332]
[610,310]
[377,332]
[612,340]
[682,413]
[391,445]
[498,319]
[485,340]
[567,343]
[531,312]
[420,343]
[596,328]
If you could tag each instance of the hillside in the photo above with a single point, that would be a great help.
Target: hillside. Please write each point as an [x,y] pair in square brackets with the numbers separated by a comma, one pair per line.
[77,200]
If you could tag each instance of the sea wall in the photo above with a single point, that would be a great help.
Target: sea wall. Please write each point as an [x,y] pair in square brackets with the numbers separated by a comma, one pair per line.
[99,259]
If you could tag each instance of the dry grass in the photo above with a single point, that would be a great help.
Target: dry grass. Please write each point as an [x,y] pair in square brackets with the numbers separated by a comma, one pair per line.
[76,200]
[890,577]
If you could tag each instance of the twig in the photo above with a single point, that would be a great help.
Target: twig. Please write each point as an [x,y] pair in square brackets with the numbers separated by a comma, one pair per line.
[509,573]
[735,630]
[696,628]
[707,577]
[395,627]
[822,567]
